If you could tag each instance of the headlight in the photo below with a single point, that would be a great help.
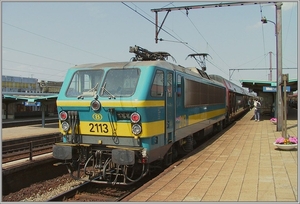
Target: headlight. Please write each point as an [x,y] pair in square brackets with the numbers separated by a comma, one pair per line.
[65,126]
[95,105]
[136,129]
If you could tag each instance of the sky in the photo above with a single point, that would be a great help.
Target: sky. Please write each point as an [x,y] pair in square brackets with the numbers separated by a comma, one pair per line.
[43,39]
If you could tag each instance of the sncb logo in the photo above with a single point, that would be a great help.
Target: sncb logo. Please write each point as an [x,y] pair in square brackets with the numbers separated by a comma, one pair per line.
[97,116]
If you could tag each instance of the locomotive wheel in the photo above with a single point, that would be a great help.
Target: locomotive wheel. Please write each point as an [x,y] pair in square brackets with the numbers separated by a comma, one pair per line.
[187,147]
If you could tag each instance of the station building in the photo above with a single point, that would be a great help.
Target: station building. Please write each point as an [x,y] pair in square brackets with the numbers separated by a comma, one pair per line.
[24,97]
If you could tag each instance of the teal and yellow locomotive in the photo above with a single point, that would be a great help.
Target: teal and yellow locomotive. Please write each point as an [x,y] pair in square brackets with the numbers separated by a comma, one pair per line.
[120,119]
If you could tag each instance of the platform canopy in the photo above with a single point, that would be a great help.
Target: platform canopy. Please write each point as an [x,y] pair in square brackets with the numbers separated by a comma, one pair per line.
[29,97]
[257,86]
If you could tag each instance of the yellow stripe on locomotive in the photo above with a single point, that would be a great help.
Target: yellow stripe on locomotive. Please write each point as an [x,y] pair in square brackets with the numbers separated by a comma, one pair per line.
[134,103]
[120,129]
[192,119]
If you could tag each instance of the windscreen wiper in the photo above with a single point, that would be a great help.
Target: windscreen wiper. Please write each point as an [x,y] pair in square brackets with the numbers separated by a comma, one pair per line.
[103,89]
[91,92]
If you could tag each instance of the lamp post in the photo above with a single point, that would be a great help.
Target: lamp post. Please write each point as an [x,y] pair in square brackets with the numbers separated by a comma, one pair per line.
[264,20]
[278,34]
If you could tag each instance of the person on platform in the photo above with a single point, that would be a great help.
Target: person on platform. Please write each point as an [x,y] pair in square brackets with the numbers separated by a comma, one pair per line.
[257,106]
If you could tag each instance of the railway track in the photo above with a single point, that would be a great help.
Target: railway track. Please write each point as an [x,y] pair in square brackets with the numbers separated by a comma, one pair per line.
[27,148]
[27,121]
[89,192]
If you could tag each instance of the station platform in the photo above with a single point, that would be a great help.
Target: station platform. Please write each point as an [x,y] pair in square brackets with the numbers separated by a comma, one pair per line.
[240,164]
[28,131]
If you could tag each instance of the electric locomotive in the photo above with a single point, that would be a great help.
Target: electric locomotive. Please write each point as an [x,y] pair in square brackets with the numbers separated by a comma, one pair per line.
[121,119]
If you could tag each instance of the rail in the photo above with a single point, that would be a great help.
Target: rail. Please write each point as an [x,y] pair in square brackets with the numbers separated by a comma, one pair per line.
[28,149]
[7,123]
[90,192]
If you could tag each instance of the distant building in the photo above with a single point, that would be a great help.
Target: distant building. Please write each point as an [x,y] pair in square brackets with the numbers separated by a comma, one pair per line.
[18,108]
[29,85]
[19,84]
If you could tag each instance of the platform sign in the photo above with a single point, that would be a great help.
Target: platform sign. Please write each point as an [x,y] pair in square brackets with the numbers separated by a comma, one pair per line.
[26,103]
[274,89]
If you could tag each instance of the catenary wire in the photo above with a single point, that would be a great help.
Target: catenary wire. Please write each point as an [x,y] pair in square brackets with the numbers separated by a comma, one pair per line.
[42,73]
[161,28]
[181,40]
[55,41]
[50,75]
[37,55]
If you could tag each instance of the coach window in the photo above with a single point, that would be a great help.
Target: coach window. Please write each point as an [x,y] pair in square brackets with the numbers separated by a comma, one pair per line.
[178,85]
[157,88]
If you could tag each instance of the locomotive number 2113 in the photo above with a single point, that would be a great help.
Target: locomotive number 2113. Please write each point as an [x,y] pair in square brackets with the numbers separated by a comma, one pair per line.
[98,127]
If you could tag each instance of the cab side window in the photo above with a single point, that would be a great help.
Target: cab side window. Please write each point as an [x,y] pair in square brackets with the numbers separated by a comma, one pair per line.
[157,88]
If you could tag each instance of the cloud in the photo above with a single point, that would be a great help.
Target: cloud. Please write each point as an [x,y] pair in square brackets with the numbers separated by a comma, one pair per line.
[255,26]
